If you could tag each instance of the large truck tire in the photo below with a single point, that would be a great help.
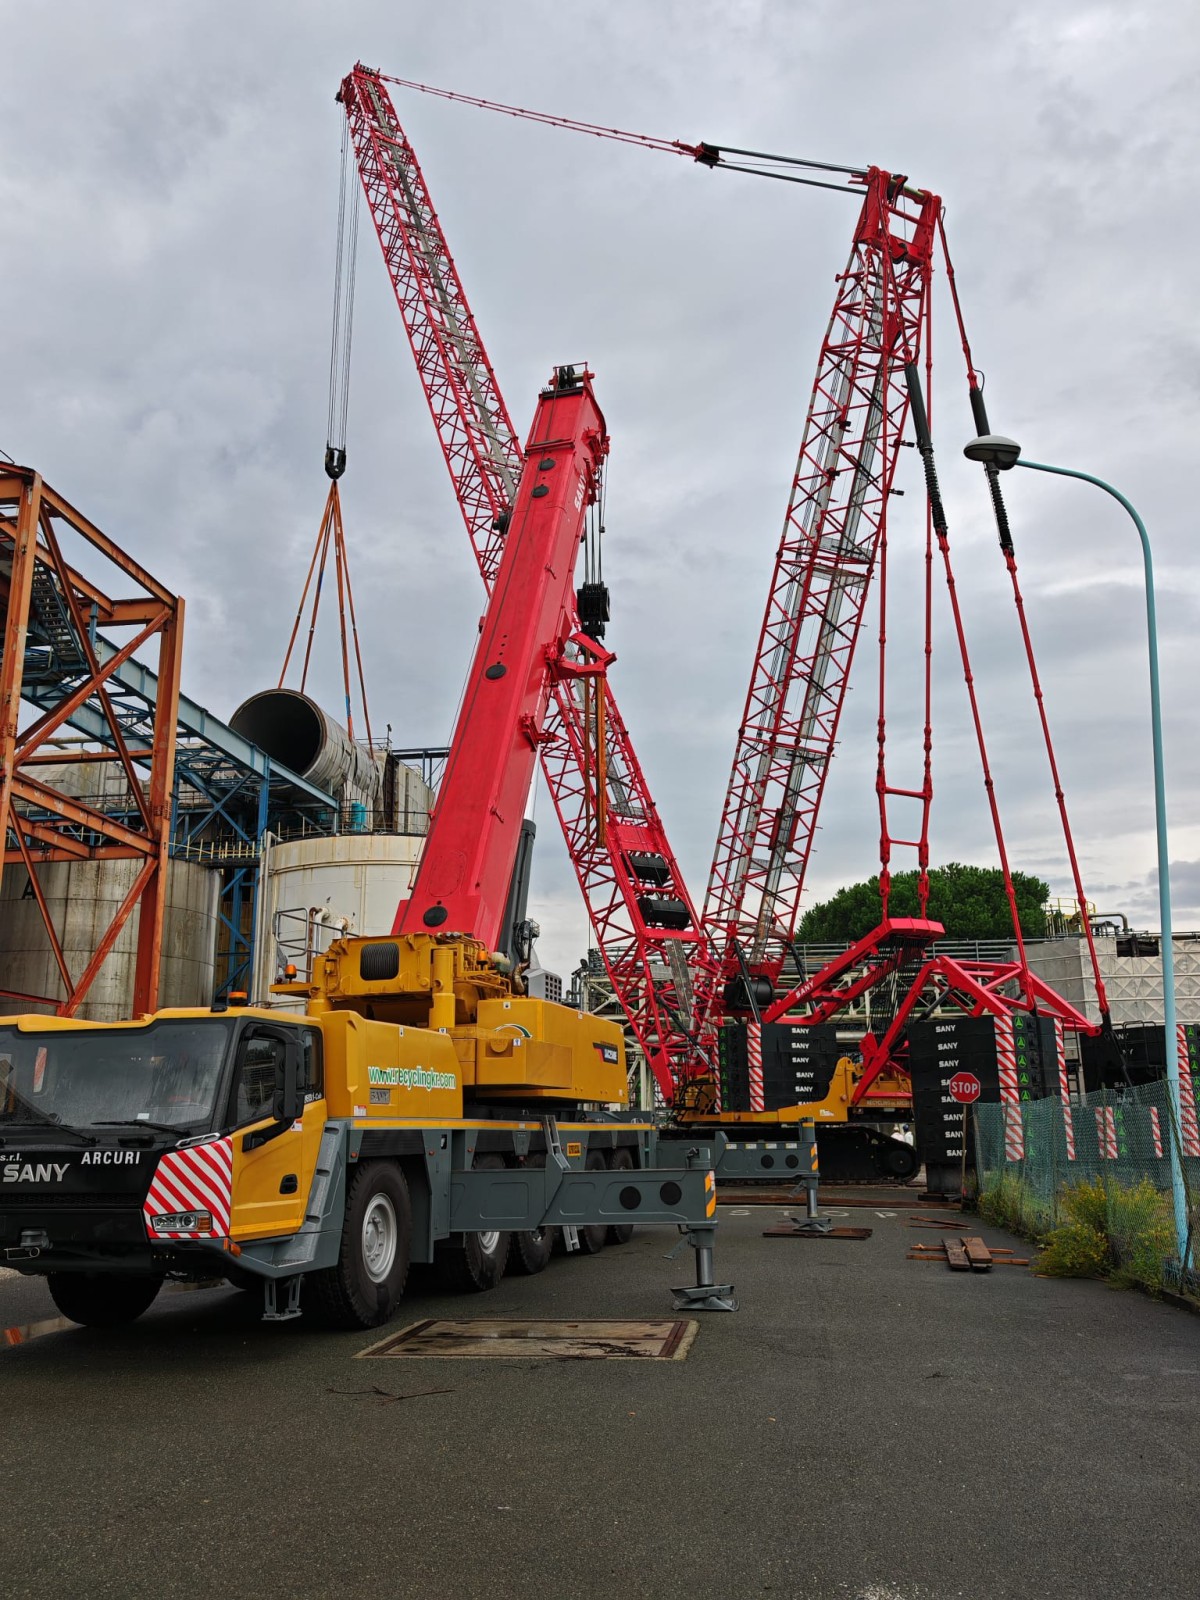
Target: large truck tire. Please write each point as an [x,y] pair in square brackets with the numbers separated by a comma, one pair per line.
[102,1299]
[366,1285]
[531,1250]
[593,1240]
[622,1161]
[478,1264]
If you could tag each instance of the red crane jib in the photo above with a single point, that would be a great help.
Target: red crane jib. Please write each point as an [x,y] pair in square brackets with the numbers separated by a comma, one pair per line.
[466,868]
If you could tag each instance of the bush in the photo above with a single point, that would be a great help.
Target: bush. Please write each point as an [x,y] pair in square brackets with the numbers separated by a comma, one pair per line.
[1002,1203]
[1085,1204]
[1075,1250]
[1122,1232]
[1141,1231]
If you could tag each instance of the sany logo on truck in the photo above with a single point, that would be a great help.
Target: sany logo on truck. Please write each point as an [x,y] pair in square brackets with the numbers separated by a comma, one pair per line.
[19,1171]
[44,1172]
[410,1078]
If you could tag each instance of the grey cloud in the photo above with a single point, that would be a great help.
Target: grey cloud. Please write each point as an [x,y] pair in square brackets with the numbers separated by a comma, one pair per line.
[169,212]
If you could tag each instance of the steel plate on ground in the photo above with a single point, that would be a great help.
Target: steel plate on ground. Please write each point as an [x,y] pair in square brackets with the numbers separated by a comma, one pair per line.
[788,1230]
[494,1339]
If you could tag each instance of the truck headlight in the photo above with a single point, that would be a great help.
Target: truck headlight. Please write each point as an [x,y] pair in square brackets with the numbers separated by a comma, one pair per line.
[183,1222]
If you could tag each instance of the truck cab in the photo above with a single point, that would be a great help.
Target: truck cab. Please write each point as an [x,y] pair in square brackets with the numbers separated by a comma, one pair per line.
[116,1142]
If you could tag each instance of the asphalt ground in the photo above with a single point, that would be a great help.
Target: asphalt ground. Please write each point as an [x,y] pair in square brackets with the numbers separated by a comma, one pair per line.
[863,1426]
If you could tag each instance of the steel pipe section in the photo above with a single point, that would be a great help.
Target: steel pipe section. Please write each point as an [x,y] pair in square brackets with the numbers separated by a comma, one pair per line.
[294,731]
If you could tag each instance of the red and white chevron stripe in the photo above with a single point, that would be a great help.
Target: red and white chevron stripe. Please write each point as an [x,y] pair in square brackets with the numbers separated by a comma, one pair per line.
[1064,1088]
[1156,1132]
[1006,1069]
[1189,1130]
[199,1178]
[1106,1132]
[754,1059]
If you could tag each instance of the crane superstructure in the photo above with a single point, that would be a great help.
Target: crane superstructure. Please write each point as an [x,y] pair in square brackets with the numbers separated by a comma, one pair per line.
[660,961]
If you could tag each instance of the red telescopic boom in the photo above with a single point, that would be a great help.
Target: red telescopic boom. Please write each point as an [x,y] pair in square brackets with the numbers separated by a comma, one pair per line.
[467,863]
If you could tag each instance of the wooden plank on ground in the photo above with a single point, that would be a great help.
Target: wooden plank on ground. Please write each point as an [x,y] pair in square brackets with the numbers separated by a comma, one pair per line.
[977,1254]
[956,1256]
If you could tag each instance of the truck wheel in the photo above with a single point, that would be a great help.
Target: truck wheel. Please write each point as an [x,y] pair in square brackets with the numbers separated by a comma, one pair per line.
[364,1288]
[593,1240]
[531,1250]
[479,1264]
[622,1161]
[102,1299]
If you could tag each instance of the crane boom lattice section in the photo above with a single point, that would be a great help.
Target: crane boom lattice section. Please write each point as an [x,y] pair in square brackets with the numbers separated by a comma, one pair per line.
[630,880]
[476,432]
[823,569]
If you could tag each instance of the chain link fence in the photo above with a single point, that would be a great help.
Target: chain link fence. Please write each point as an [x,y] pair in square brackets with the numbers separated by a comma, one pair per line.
[1093,1182]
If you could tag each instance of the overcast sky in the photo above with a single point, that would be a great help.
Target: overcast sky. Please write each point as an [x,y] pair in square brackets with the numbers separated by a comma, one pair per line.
[168,182]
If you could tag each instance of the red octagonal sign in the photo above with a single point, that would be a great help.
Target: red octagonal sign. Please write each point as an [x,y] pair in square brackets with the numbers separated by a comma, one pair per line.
[964,1087]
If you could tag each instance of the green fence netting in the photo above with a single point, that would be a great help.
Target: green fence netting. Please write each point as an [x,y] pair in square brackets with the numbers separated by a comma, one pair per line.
[1102,1164]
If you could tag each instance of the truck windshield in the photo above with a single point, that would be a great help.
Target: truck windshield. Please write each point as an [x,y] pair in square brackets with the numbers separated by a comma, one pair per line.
[167,1074]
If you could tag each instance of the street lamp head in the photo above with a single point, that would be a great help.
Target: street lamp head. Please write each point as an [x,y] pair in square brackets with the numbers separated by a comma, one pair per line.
[994,450]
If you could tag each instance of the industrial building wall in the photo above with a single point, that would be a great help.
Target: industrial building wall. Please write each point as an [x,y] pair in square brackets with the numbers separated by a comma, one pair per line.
[83,896]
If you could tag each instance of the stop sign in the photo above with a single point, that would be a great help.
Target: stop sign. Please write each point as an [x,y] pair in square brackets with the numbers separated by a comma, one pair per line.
[964,1087]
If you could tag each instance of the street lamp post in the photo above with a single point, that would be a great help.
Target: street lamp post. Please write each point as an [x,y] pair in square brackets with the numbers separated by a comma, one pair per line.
[1000,454]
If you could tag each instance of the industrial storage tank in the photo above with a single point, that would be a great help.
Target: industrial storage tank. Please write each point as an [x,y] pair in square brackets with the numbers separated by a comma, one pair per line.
[82,897]
[311,890]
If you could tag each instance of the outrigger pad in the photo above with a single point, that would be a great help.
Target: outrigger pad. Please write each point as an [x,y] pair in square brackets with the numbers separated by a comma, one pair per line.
[786,1230]
[704,1297]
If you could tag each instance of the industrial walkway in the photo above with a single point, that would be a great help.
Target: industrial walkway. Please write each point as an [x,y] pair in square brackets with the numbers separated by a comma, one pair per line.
[866,1426]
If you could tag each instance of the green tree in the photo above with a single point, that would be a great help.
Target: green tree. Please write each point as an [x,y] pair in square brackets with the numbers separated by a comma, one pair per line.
[969,902]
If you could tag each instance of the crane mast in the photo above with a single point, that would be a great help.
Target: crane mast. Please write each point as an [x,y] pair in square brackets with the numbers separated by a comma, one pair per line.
[473,426]
[660,962]
[818,591]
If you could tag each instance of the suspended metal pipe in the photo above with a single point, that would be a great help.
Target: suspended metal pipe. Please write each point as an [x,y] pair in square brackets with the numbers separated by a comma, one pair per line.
[293,730]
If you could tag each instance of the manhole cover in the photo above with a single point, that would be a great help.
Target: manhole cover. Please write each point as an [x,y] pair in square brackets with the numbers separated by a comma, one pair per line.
[553,1341]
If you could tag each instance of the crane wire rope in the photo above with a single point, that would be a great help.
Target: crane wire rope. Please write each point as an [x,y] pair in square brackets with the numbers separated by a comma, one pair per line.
[331,532]
[706,153]
[975,382]
[342,332]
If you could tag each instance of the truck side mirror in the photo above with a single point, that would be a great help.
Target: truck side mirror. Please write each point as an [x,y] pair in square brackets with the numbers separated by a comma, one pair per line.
[288,1102]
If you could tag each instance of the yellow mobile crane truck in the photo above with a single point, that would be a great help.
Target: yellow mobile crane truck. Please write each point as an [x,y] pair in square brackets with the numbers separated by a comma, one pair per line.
[424,1106]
